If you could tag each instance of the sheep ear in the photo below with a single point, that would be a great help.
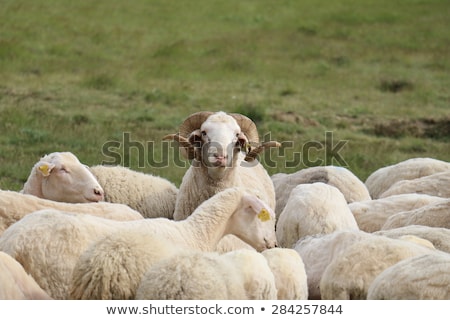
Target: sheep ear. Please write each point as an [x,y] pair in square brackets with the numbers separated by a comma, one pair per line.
[45,168]
[262,211]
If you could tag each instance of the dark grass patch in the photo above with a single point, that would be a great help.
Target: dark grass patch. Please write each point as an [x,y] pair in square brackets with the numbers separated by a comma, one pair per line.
[395,86]
[438,129]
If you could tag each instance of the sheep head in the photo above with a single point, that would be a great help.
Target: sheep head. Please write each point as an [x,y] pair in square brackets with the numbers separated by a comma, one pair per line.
[215,139]
[60,176]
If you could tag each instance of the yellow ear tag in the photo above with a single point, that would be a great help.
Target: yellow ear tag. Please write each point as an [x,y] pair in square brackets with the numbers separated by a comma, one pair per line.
[44,169]
[264,215]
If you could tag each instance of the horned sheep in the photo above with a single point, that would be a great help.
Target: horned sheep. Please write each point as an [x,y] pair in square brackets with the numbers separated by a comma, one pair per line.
[383,178]
[316,208]
[223,148]
[232,211]
[151,195]
[60,176]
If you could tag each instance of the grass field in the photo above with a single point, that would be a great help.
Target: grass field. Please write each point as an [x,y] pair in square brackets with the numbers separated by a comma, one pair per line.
[357,83]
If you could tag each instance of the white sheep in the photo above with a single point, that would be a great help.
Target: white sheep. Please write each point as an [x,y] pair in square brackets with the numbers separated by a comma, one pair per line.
[350,185]
[372,214]
[42,240]
[349,275]
[439,237]
[436,214]
[315,208]
[383,178]
[425,277]
[223,149]
[437,184]
[317,252]
[49,242]
[289,271]
[16,284]
[191,276]
[231,211]
[150,195]
[14,206]
[60,176]
[236,275]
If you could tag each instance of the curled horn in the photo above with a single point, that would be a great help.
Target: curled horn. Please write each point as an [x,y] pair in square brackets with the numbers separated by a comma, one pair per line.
[190,124]
[252,154]
[248,127]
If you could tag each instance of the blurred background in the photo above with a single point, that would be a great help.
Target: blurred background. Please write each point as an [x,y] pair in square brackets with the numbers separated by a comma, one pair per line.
[355,83]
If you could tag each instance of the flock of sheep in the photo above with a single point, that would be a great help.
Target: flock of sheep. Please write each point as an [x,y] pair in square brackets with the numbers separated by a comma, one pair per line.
[229,231]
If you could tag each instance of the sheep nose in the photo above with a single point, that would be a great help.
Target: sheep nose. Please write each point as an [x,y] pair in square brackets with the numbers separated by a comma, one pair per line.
[99,194]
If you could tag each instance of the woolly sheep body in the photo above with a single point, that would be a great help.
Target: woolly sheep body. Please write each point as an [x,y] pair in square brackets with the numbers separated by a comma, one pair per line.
[437,184]
[433,215]
[316,208]
[49,242]
[371,215]
[191,276]
[230,211]
[350,274]
[289,271]
[16,284]
[150,195]
[60,176]
[439,237]
[383,178]
[350,185]
[317,252]
[14,206]
[425,277]
[236,275]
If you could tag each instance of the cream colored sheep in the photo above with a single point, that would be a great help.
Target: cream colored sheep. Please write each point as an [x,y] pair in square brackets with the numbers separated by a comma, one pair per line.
[318,251]
[289,271]
[236,275]
[343,179]
[437,184]
[16,284]
[439,237]
[15,206]
[152,196]
[371,215]
[49,243]
[231,211]
[425,277]
[192,276]
[60,176]
[349,275]
[383,178]
[436,214]
[315,208]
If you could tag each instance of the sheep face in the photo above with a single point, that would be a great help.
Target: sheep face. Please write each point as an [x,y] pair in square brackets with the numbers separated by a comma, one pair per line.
[254,223]
[63,178]
[218,141]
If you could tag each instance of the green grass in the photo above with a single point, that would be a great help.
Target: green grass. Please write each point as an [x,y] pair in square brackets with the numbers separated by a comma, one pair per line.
[77,75]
